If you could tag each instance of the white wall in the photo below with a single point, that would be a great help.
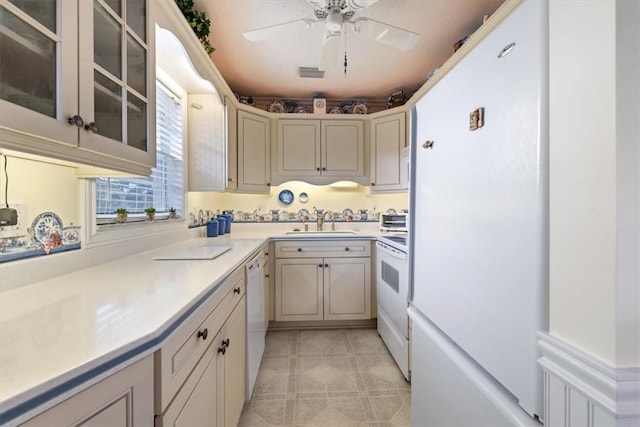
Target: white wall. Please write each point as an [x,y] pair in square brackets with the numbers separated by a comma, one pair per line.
[594,178]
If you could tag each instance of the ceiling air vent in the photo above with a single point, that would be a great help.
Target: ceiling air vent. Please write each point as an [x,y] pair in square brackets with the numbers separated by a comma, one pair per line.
[310,72]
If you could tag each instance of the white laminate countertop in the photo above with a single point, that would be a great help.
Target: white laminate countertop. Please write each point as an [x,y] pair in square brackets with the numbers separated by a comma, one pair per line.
[62,334]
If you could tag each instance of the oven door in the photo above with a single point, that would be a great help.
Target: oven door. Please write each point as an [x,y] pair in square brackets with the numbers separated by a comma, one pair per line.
[392,286]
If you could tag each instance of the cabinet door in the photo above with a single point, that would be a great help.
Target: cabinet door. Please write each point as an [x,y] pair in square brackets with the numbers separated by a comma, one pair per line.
[347,288]
[207,143]
[231,115]
[299,289]
[343,148]
[117,79]
[39,78]
[233,362]
[388,139]
[195,404]
[254,141]
[123,399]
[298,148]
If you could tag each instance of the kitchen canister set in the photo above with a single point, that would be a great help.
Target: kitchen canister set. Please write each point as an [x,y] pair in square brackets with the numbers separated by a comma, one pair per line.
[219,225]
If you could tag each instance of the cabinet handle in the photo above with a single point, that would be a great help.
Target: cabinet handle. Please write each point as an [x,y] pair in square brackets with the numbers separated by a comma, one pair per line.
[324,169]
[91,127]
[320,265]
[317,169]
[347,249]
[373,183]
[76,121]
[204,334]
[266,253]
[266,275]
[326,265]
[268,184]
[222,349]
[229,179]
[236,290]
[226,342]
[299,249]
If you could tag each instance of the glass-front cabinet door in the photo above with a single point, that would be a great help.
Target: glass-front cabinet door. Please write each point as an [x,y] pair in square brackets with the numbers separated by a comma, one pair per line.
[117,70]
[38,68]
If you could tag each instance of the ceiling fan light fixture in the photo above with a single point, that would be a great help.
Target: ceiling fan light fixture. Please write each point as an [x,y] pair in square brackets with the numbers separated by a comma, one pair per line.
[334,20]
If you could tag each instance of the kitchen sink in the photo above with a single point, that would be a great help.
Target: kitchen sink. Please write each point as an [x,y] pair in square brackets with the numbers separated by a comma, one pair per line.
[322,233]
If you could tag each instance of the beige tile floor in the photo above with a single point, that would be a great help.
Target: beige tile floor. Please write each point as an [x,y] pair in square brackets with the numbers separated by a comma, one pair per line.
[340,377]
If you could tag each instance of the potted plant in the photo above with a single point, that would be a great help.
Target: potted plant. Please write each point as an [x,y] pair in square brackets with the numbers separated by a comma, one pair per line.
[121,215]
[151,213]
[172,213]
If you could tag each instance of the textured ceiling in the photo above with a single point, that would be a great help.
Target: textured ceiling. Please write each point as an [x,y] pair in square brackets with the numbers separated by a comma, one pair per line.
[269,68]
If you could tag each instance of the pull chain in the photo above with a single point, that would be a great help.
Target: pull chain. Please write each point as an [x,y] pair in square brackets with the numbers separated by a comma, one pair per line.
[345,50]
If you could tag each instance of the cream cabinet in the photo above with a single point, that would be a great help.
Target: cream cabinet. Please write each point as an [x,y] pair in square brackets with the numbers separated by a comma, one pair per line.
[322,280]
[254,150]
[318,151]
[389,153]
[77,82]
[231,131]
[123,399]
[207,143]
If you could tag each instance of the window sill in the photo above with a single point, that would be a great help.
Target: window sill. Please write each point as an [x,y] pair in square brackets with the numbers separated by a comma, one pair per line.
[108,234]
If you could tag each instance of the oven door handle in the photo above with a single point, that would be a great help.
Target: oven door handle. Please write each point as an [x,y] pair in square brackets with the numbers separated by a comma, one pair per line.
[387,250]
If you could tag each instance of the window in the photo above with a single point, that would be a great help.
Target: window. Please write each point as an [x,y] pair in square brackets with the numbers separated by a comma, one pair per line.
[164,189]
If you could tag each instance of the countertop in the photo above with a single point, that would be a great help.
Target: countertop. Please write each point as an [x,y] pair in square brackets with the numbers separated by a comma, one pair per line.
[60,335]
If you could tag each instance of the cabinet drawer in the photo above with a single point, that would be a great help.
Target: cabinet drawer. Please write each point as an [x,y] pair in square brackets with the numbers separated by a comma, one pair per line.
[182,350]
[322,248]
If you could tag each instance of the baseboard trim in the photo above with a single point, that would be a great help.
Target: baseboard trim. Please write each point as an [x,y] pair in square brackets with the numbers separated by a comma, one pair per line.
[323,324]
[614,390]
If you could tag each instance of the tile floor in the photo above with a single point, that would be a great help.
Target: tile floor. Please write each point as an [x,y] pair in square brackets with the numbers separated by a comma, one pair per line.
[340,377]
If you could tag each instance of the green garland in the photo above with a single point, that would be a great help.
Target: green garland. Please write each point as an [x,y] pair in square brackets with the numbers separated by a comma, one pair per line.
[198,22]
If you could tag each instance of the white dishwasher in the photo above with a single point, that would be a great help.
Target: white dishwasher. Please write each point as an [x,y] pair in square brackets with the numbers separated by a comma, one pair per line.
[256,324]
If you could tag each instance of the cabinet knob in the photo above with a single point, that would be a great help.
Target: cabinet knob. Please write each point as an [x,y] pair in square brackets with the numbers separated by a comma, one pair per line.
[299,249]
[268,184]
[226,342]
[222,350]
[324,169]
[229,179]
[76,121]
[91,127]
[326,265]
[204,334]
[320,265]
[373,183]
[266,275]
[347,249]
[317,169]
[236,290]
[428,144]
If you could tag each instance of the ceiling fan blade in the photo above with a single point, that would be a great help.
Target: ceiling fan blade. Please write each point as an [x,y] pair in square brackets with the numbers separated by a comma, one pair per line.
[386,34]
[360,4]
[277,29]
[330,50]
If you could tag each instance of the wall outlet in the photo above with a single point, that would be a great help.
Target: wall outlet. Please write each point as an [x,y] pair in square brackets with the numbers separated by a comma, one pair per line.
[20,228]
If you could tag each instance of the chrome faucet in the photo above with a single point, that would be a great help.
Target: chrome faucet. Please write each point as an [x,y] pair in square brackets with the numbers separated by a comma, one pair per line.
[321,219]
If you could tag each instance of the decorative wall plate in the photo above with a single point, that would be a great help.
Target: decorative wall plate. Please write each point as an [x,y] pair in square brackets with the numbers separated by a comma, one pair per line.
[286,197]
[44,225]
[303,197]
[276,107]
[335,110]
[71,234]
[303,213]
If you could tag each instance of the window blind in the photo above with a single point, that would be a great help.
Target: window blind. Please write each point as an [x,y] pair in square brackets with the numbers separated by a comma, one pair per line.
[165,187]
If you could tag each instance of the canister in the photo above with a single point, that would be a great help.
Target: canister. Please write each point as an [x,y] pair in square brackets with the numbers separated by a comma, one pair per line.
[212,228]
[222,224]
[228,218]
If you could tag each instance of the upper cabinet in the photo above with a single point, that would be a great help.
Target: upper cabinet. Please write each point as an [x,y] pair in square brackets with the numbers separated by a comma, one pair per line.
[254,146]
[78,81]
[389,153]
[319,151]
[207,143]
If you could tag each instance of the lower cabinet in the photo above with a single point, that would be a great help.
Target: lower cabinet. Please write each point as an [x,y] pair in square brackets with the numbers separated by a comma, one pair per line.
[310,286]
[123,399]
[213,395]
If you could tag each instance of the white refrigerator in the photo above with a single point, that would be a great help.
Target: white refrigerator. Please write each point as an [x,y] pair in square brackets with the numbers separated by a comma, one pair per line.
[479,224]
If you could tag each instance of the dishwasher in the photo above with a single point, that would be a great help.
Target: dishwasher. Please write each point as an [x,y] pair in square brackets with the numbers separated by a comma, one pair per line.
[256,324]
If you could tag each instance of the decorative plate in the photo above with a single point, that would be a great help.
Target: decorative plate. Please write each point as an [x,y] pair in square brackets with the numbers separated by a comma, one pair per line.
[285,197]
[360,108]
[303,197]
[276,107]
[302,109]
[303,213]
[347,212]
[44,225]
[335,110]
[391,211]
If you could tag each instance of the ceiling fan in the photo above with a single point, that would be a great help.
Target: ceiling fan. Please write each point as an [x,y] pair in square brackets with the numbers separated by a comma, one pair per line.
[334,14]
